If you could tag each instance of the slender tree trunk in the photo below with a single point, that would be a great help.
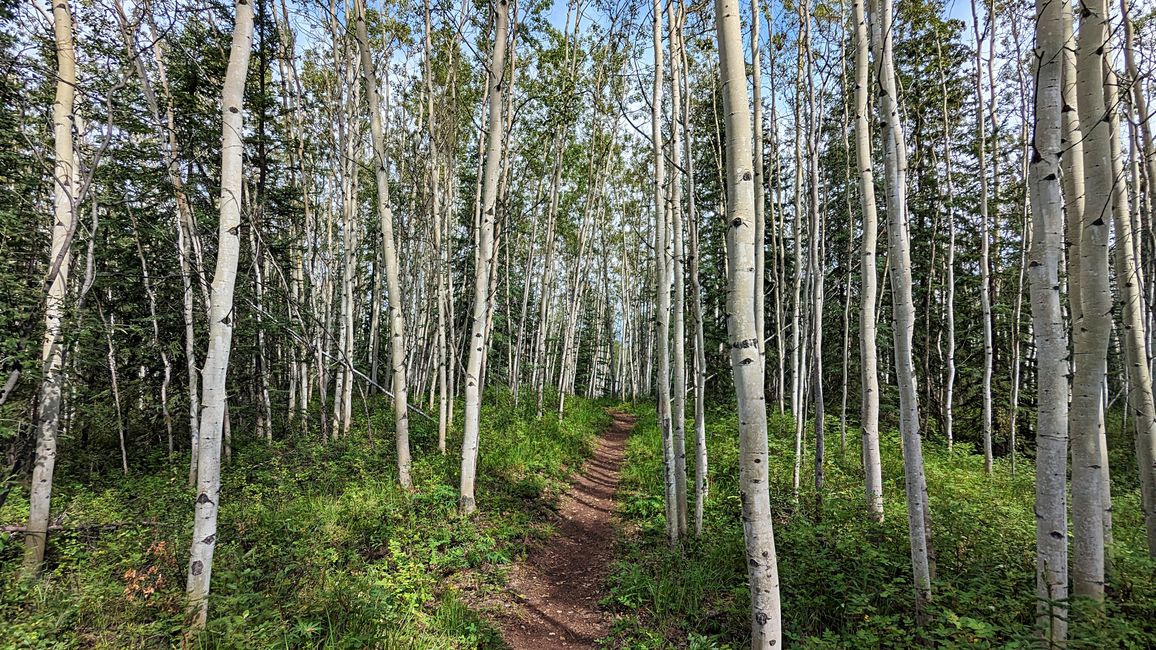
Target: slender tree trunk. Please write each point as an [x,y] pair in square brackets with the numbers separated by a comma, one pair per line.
[1134,331]
[114,383]
[1093,329]
[221,319]
[760,221]
[903,309]
[1051,337]
[679,342]
[949,289]
[758,530]
[816,271]
[868,354]
[64,177]
[478,339]
[984,237]
[701,482]
[390,257]
[663,281]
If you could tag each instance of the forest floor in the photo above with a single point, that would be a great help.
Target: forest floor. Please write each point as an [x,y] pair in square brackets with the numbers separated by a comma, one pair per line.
[553,595]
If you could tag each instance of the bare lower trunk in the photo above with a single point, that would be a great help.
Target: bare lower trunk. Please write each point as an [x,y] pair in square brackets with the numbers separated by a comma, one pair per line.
[984,263]
[390,257]
[1093,329]
[903,309]
[221,320]
[64,177]
[679,341]
[745,348]
[478,343]
[1134,331]
[868,355]
[1051,337]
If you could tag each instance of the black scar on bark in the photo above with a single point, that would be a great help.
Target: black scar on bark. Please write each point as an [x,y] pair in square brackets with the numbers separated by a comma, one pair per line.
[203,499]
[197,568]
[209,540]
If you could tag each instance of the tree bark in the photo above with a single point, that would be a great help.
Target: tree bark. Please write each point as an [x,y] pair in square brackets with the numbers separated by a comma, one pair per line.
[478,343]
[389,253]
[868,293]
[64,177]
[221,319]
[903,309]
[1051,336]
[1093,329]
[984,238]
[745,355]
[1134,331]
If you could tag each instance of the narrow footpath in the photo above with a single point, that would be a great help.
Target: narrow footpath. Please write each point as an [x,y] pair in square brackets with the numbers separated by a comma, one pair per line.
[557,588]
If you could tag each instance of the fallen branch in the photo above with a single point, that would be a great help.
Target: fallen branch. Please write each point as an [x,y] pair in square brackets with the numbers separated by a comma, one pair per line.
[82,528]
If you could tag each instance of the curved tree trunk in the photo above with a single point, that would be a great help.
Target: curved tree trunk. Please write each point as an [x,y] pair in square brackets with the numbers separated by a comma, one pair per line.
[64,177]
[903,308]
[221,319]
[397,349]
[868,354]
[1134,331]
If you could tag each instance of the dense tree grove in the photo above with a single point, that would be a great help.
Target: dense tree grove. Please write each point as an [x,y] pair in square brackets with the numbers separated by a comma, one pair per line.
[253,221]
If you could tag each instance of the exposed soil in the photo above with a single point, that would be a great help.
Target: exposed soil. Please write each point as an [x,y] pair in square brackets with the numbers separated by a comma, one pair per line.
[556,589]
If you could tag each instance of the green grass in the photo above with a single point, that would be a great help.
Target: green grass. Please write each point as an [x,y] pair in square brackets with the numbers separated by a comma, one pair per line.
[846,582]
[319,546]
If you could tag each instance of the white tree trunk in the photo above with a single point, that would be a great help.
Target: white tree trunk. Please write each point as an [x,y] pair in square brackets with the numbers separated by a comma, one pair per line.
[393,283]
[679,340]
[64,177]
[1051,336]
[478,338]
[746,358]
[984,244]
[1093,328]
[1134,331]
[868,354]
[903,308]
[221,319]
[662,281]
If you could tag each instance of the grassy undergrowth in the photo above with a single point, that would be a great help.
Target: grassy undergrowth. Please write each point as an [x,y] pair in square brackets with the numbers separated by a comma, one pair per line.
[846,581]
[319,546]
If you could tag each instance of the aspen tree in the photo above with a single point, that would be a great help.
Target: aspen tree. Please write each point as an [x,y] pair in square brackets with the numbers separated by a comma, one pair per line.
[1134,333]
[868,354]
[64,177]
[760,220]
[1051,337]
[389,253]
[700,451]
[984,234]
[221,319]
[949,283]
[815,255]
[679,258]
[478,338]
[662,281]
[1093,328]
[903,309]
[758,530]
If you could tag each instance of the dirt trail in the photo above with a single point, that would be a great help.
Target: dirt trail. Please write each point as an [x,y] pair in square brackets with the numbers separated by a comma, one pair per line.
[557,588]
